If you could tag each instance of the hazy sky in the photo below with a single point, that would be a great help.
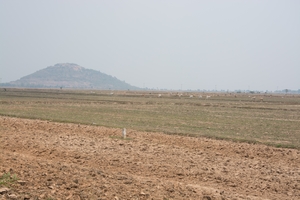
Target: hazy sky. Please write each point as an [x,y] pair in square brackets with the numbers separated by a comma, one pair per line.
[175,44]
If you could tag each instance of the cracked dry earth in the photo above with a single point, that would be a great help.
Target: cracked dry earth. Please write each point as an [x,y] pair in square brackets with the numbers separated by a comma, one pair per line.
[71,161]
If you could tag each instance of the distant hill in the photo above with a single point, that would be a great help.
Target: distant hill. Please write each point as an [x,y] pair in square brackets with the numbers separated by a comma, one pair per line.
[68,75]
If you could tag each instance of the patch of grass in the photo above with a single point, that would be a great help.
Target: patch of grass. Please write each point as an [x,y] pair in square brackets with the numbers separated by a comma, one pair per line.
[7,179]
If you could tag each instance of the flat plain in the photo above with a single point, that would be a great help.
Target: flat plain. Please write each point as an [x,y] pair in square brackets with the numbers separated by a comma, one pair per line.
[66,144]
[270,119]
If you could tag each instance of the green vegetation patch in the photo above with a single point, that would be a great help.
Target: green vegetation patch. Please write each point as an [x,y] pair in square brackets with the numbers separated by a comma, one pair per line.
[7,179]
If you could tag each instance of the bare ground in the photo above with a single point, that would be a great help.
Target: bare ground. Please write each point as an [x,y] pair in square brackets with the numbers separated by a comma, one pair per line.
[71,161]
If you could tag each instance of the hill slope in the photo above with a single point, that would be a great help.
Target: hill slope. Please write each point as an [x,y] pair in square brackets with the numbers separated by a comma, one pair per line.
[69,75]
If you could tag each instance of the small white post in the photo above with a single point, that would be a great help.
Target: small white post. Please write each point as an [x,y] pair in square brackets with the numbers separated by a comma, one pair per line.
[124,133]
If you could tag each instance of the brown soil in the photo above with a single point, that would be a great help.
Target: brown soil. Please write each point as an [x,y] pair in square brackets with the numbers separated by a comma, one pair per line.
[70,161]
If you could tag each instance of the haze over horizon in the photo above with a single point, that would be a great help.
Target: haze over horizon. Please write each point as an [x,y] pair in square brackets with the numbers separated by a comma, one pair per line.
[206,45]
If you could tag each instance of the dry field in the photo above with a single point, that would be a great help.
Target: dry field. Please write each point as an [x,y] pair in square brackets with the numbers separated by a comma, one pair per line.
[69,147]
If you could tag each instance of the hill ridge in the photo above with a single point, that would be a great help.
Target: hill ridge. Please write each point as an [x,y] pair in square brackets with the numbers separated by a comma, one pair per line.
[70,75]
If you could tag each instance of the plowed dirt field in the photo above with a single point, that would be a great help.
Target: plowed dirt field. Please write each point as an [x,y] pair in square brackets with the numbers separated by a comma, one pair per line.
[72,161]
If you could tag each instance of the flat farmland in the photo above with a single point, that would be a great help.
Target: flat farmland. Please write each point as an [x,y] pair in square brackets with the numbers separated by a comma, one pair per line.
[67,144]
[275,120]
